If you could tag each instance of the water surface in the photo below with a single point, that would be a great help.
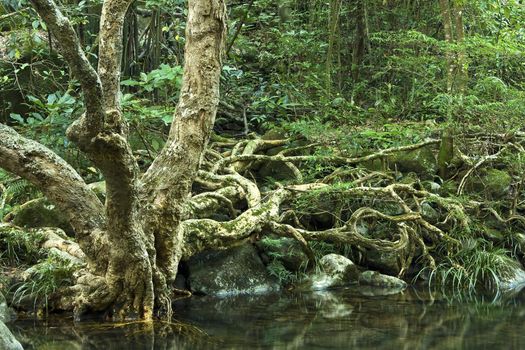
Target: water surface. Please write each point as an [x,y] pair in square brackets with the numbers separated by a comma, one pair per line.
[340,319]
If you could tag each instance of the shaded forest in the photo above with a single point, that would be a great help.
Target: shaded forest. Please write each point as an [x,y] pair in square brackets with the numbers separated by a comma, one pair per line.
[371,142]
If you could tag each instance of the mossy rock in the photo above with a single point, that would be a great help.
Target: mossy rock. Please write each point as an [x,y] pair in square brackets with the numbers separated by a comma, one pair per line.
[377,164]
[494,235]
[429,213]
[374,278]
[277,170]
[421,161]
[5,314]
[497,182]
[99,188]
[274,134]
[383,261]
[40,213]
[493,183]
[335,271]
[230,272]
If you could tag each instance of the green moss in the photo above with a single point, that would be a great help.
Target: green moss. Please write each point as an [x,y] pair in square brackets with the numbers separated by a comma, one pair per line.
[497,182]
[489,183]
[421,161]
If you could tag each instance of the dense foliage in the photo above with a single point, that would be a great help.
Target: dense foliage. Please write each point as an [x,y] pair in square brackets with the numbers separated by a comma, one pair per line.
[351,76]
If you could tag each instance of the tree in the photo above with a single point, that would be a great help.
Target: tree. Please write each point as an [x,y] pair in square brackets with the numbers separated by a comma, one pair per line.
[132,243]
[452,15]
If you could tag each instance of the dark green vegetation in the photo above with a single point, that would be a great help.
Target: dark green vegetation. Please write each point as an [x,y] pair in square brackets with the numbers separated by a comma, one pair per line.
[406,116]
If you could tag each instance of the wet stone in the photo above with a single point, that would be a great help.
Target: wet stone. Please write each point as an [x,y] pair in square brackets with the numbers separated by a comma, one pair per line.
[234,271]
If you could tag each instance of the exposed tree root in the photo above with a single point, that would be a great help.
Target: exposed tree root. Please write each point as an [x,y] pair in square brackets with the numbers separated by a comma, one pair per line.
[227,183]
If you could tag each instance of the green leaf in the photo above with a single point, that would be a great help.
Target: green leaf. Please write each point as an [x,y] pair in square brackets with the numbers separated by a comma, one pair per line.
[155,144]
[167,119]
[51,99]
[17,117]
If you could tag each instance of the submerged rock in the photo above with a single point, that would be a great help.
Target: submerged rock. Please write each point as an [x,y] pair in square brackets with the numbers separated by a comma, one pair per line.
[234,271]
[7,339]
[376,279]
[336,271]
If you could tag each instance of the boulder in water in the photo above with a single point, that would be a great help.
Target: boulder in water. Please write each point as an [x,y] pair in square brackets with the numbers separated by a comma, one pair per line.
[7,339]
[234,271]
[376,279]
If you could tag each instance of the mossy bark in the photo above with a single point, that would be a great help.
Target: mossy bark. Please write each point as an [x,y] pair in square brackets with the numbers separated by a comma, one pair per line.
[134,242]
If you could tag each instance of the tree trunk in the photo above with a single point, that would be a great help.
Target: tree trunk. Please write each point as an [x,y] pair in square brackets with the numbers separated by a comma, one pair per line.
[358,49]
[452,15]
[462,73]
[449,38]
[167,183]
[134,242]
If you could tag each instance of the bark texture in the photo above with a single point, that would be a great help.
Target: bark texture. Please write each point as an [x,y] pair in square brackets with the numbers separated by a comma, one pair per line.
[167,183]
[133,242]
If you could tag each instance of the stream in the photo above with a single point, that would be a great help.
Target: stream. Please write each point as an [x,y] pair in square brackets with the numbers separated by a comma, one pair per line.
[340,319]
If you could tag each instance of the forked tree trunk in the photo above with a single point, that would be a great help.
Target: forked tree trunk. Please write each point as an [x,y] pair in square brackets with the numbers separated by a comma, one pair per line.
[134,242]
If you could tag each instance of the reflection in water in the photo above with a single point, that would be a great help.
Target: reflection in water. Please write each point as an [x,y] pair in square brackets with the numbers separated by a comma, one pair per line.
[339,319]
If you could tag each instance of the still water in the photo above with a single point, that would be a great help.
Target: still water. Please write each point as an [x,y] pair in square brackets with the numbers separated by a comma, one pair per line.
[343,319]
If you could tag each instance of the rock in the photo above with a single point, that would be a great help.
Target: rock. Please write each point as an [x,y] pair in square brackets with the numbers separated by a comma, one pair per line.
[336,271]
[40,213]
[513,281]
[7,339]
[338,266]
[4,310]
[429,213]
[287,250]
[277,170]
[496,183]
[493,183]
[374,278]
[383,261]
[421,161]
[377,164]
[234,271]
[431,186]
[274,134]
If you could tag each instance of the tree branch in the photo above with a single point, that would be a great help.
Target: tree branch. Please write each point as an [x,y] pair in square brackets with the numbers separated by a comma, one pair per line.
[60,183]
[72,51]
[110,50]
